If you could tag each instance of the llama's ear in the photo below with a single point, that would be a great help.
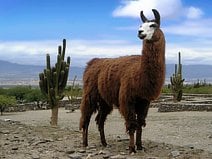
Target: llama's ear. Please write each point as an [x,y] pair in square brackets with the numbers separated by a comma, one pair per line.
[157,16]
[143,18]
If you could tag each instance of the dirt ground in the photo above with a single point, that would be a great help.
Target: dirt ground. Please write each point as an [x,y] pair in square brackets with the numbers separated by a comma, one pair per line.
[182,135]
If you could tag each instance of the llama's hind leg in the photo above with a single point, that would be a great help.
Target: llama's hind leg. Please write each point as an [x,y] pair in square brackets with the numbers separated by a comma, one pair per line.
[86,113]
[85,131]
[103,111]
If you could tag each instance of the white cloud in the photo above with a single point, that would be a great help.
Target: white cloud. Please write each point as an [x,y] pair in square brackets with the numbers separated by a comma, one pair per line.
[196,28]
[194,13]
[81,51]
[131,8]
[168,9]
[27,52]
[191,54]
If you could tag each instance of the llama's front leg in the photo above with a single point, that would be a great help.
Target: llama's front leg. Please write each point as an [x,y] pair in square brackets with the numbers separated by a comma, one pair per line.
[141,122]
[131,126]
[132,144]
[138,138]
[141,116]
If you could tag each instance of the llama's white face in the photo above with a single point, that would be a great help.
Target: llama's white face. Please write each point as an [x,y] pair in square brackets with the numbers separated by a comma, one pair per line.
[147,30]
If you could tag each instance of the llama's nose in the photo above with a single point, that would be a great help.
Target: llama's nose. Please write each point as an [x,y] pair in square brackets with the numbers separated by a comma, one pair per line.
[140,31]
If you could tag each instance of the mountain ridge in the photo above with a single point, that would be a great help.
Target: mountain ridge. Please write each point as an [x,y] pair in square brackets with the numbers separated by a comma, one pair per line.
[16,71]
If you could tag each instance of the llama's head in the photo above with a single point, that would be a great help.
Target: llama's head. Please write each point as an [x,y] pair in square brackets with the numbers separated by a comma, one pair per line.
[147,29]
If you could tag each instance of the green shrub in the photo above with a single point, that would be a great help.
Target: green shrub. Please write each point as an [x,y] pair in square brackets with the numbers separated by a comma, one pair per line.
[6,101]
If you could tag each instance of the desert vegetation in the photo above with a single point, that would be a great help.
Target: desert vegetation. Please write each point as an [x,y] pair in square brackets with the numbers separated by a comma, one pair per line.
[177,81]
[53,81]
[198,87]
[21,95]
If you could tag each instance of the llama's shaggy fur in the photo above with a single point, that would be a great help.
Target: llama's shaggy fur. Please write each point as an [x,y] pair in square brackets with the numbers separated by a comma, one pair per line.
[129,83]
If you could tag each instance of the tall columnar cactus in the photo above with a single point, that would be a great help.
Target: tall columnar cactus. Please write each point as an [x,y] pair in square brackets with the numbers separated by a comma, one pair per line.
[53,81]
[177,81]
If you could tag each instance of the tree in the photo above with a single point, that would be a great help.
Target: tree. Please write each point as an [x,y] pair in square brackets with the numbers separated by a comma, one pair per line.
[53,81]
[6,101]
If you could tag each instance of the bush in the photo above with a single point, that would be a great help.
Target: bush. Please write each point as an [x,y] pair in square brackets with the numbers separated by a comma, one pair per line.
[6,101]
[192,89]
[19,92]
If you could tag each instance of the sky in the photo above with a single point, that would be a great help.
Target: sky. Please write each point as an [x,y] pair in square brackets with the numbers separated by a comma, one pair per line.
[29,29]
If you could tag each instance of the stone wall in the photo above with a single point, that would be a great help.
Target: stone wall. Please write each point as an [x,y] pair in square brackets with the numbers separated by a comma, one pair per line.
[176,107]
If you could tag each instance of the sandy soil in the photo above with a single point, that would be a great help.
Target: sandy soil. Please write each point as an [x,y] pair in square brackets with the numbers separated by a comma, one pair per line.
[167,135]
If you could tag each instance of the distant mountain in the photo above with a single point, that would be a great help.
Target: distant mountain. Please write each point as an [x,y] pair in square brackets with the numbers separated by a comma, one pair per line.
[13,71]
[192,72]
[17,72]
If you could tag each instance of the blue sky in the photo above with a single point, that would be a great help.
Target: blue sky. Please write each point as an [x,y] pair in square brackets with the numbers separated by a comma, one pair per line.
[107,28]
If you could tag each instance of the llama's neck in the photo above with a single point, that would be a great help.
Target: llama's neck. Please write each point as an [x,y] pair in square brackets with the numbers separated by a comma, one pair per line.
[153,53]
[152,71]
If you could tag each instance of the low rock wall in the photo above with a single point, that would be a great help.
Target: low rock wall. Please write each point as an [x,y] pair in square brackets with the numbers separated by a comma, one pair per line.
[176,107]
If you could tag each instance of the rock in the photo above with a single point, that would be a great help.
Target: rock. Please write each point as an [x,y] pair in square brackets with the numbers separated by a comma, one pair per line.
[42,141]
[118,157]
[70,152]
[5,131]
[48,140]
[210,136]
[14,148]
[91,147]
[102,152]
[175,153]
[7,120]
[190,146]
[75,156]
[106,156]
[59,139]
[123,153]
[119,139]
[90,156]
[81,151]
[35,156]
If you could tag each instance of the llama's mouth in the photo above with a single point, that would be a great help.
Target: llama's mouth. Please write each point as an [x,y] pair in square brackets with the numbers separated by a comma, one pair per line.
[141,36]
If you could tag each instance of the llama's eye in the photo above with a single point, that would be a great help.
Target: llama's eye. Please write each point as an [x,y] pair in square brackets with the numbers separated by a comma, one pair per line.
[153,25]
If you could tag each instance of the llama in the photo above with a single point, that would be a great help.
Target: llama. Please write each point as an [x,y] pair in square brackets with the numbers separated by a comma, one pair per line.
[129,83]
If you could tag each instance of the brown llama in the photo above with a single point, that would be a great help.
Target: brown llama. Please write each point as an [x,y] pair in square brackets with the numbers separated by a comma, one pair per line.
[129,82]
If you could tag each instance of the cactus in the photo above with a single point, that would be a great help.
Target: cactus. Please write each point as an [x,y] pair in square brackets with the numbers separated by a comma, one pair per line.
[177,81]
[53,81]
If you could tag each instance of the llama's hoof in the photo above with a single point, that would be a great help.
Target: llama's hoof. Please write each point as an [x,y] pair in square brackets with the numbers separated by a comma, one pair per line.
[140,147]
[132,150]
[108,146]
[84,144]
[104,144]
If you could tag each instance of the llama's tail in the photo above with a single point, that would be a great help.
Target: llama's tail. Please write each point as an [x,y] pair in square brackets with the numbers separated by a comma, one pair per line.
[88,107]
